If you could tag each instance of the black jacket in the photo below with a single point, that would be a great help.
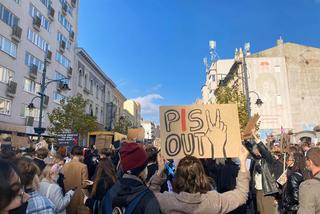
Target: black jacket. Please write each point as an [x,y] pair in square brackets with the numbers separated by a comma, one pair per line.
[290,195]
[127,188]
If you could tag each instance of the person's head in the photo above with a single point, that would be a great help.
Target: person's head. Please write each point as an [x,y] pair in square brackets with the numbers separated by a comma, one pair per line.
[152,152]
[313,160]
[28,171]
[190,176]
[12,194]
[306,145]
[42,153]
[62,151]
[296,162]
[51,172]
[76,151]
[134,159]
[105,153]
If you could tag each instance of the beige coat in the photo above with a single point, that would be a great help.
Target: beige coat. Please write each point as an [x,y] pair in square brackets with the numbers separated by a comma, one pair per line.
[309,196]
[210,202]
[75,173]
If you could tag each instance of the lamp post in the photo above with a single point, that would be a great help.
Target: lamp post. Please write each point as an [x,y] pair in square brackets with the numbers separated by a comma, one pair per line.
[246,82]
[40,130]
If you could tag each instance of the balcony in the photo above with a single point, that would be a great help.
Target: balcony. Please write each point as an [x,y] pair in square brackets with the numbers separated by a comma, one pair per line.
[16,33]
[51,14]
[71,36]
[64,9]
[62,46]
[33,72]
[36,23]
[11,89]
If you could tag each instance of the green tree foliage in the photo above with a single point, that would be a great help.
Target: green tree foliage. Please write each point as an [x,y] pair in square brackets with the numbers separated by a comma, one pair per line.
[71,116]
[123,125]
[225,95]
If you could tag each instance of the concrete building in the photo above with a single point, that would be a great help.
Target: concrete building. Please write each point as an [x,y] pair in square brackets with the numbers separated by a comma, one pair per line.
[287,80]
[134,108]
[31,31]
[149,130]
[95,86]
[117,105]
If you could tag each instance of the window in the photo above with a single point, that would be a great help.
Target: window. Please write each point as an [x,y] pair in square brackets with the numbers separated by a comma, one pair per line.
[8,17]
[61,37]
[101,115]
[69,7]
[91,86]
[38,40]
[85,80]
[97,91]
[26,112]
[8,47]
[65,23]
[6,74]
[44,21]
[59,76]
[17,1]
[32,60]
[80,78]
[46,3]
[31,86]
[90,110]
[96,112]
[5,106]
[57,97]
[63,60]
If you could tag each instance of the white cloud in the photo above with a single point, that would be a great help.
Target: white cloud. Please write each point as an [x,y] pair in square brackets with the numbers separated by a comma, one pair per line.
[156,87]
[149,107]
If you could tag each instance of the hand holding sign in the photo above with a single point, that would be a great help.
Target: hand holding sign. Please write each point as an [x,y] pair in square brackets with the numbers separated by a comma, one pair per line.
[217,131]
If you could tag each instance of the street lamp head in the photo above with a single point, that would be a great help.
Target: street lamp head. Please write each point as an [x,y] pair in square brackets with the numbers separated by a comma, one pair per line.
[259,102]
[212,44]
[31,106]
[247,46]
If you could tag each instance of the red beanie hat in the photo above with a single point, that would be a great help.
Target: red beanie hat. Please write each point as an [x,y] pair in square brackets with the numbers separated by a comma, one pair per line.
[133,158]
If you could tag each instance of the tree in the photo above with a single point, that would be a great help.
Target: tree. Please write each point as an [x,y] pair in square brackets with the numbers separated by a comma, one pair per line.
[71,116]
[123,125]
[225,95]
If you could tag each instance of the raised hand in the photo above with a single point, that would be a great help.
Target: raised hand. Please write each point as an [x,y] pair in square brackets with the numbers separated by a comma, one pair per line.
[217,131]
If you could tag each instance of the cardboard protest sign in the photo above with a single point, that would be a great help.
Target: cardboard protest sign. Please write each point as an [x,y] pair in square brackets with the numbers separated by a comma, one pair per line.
[136,134]
[247,132]
[20,141]
[204,131]
[103,141]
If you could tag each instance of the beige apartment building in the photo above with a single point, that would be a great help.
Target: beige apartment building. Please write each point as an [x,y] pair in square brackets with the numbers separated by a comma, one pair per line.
[285,77]
[133,108]
[32,31]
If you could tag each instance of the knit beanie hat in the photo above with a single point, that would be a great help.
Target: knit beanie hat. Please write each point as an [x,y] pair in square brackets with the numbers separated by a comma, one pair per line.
[314,155]
[134,158]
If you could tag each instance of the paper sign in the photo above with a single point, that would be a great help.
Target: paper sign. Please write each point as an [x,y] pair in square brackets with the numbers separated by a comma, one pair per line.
[136,134]
[204,131]
[103,141]
[250,125]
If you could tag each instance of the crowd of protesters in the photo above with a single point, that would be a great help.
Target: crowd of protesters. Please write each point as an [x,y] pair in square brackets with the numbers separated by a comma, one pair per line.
[133,177]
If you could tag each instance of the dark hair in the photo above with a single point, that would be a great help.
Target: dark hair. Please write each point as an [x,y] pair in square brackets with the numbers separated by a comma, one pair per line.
[152,152]
[8,190]
[299,162]
[190,176]
[76,151]
[108,152]
[42,153]
[105,173]
[27,170]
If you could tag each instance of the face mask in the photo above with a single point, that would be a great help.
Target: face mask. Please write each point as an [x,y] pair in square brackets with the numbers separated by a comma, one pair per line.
[20,210]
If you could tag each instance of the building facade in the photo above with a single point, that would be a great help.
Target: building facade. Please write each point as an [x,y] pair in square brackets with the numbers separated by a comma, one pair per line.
[285,78]
[32,32]
[134,108]
[116,105]
[149,130]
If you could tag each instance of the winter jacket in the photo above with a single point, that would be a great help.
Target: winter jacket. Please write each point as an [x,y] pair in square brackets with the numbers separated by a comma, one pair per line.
[54,192]
[127,188]
[309,196]
[290,195]
[196,203]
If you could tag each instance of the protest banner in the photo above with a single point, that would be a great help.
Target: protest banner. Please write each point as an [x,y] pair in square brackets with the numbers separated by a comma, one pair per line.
[204,131]
[104,141]
[67,139]
[136,134]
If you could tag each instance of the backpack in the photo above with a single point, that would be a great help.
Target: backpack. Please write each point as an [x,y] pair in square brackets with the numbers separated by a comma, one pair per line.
[107,204]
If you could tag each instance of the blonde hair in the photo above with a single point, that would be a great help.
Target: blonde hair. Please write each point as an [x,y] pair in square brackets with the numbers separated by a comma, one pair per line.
[48,170]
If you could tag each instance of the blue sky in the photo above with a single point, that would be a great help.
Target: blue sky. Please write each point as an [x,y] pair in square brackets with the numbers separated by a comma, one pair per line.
[153,49]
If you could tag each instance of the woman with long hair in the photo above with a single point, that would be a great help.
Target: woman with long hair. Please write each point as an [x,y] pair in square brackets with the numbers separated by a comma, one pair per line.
[50,188]
[191,189]
[290,195]
[13,199]
[105,178]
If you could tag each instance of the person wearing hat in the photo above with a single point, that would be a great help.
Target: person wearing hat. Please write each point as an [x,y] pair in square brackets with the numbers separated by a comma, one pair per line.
[131,187]
[309,191]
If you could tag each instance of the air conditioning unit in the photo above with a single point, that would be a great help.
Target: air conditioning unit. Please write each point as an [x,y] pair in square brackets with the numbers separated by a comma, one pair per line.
[64,9]
[45,101]
[62,46]
[36,23]
[70,72]
[71,36]
[49,56]
[16,33]
[51,14]
[11,89]
[33,71]
[29,121]
[73,3]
